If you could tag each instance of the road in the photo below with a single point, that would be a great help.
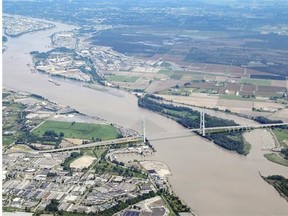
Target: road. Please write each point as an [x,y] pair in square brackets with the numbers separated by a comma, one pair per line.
[95,144]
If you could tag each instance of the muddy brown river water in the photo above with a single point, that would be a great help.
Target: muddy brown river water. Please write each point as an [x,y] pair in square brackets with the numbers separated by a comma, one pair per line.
[212,181]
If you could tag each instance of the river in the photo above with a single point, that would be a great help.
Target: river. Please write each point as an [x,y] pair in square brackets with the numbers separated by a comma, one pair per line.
[212,181]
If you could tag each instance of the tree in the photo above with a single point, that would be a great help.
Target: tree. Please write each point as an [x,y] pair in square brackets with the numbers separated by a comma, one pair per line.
[52,206]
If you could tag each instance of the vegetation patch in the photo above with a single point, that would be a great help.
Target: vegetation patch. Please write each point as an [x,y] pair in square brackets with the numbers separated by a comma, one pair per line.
[255,82]
[73,156]
[166,72]
[173,202]
[276,159]
[235,97]
[78,130]
[99,151]
[282,136]
[104,166]
[89,152]
[280,183]
[117,78]
[13,122]
[247,147]
[176,76]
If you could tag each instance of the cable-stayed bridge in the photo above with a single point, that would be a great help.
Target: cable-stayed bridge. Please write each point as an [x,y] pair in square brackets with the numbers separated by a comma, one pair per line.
[202,130]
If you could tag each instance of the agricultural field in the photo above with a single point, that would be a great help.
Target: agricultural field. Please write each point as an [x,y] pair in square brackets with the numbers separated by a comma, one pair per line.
[118,78]
[256,82]
[165,72]
[78,130]
[237,97]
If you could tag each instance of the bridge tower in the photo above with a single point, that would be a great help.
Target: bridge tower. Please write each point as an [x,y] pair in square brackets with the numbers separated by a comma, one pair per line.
[202,123]
[143,129]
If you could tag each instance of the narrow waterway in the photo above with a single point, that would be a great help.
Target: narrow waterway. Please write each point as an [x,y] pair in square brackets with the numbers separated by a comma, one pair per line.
[211,180]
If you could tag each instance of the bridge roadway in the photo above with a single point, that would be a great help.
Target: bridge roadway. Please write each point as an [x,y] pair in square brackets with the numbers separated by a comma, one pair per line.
[95,144]
[239,127]
[140,138]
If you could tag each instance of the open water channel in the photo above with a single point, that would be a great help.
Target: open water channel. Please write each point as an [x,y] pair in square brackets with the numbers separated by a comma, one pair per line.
[212,181]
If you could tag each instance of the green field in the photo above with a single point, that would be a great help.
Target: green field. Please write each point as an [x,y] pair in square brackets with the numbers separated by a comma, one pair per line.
[117,78]
[88,152]
[276,159]
[282,136]
[176,76]
[255,82]
[235,97]
[78,130]
[166,72]
[247,147]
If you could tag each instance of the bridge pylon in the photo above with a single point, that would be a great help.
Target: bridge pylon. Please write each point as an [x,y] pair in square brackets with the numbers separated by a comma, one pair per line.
[202,123]
[143,130]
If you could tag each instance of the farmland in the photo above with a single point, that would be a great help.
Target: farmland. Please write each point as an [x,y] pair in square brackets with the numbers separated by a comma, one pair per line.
[118,78]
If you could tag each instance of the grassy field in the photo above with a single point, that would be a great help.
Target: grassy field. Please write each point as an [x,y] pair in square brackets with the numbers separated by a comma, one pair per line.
[78,130]
[247,147]
[117,78]
[281,135]
[166,72]
[176,76]
[235,97]
[89,152]
[99,151]
[276,159]
[255,82]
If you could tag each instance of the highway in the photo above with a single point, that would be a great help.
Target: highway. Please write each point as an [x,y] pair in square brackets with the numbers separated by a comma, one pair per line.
[241,127]
[95,144]
[166,135]
[140,138]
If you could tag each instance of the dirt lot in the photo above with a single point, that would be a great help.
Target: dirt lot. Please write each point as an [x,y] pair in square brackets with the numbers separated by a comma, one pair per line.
[234,105]
[161,85]
[71,142]
[280,83]
[268,106]
[161,168]
[283,115]
[17,148]
[75,141]
[82,162]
